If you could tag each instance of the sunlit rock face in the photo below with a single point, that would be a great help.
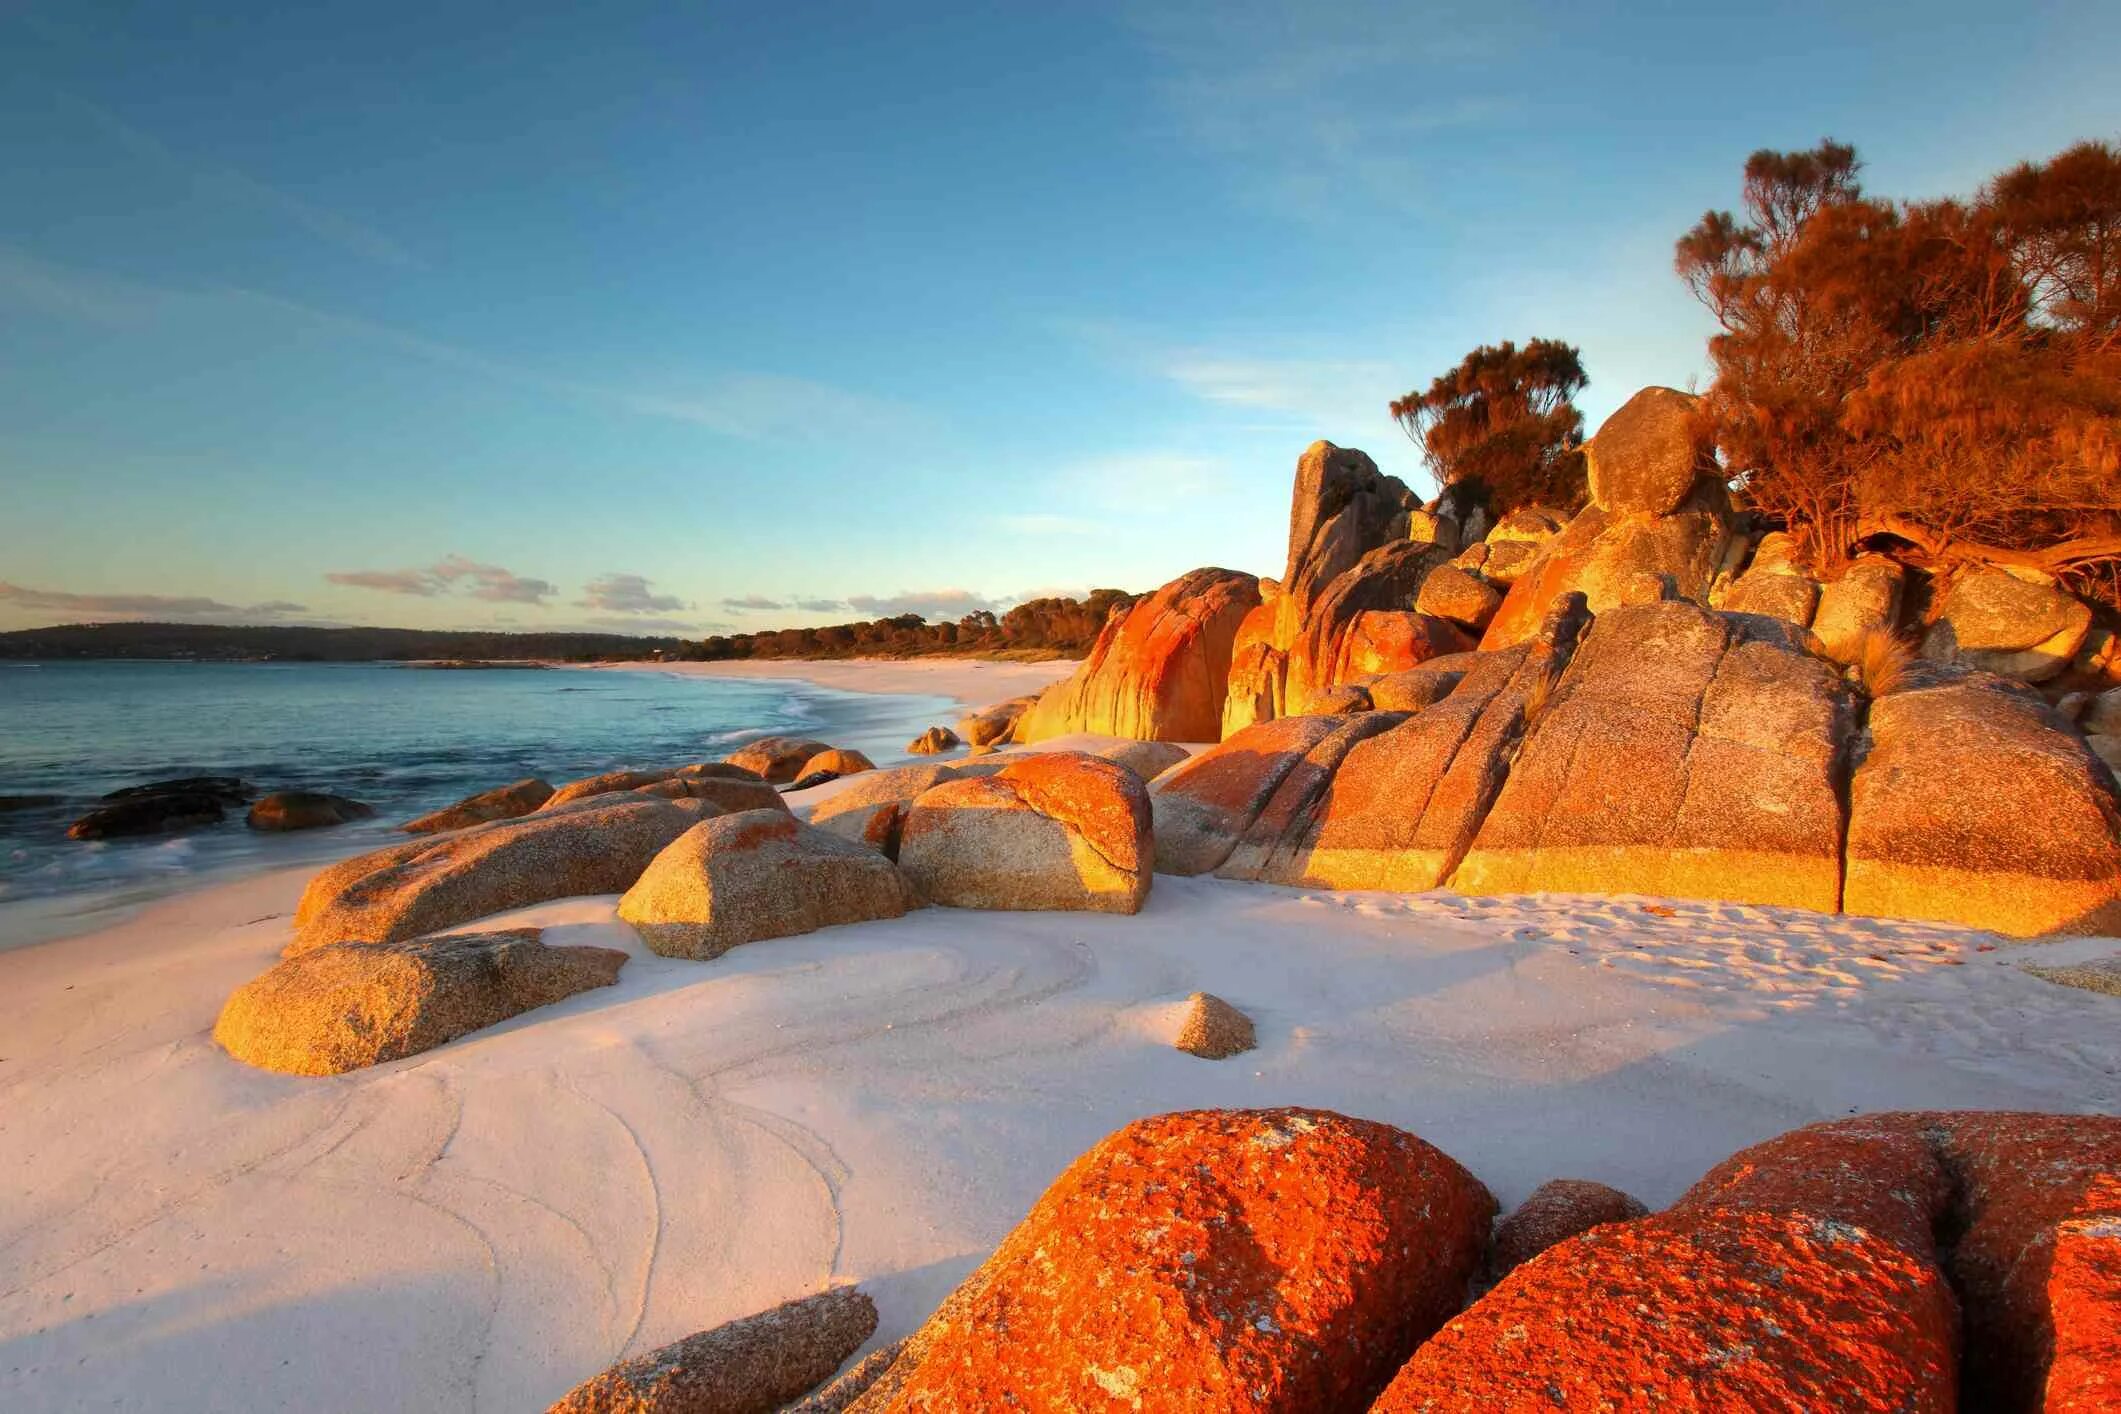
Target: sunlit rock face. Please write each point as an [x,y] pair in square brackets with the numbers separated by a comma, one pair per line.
[2013,621]
[1658,526]
[1976,803]
[1352,550]
[1685,753]
[1057,830]
[1157,672]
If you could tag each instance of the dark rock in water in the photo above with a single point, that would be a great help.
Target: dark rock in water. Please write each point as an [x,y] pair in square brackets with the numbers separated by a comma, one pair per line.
[27,802]
[305,810]
[226,789]
[161,806]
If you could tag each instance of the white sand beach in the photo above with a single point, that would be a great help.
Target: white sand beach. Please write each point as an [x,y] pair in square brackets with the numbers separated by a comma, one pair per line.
[484,1225]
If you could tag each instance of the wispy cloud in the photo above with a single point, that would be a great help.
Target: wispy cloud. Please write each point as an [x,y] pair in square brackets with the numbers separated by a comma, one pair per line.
[491,583]
[220,182]
[928,603]
[627,594]
[109,301]
[637,624]
[752,604]
[1311,104]
[754,407]
[133,606]
[751,406]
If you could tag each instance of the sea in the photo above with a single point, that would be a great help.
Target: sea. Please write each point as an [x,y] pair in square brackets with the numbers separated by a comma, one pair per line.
[403,739]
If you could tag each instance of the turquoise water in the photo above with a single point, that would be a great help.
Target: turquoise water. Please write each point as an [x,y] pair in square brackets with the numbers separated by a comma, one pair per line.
[404,740]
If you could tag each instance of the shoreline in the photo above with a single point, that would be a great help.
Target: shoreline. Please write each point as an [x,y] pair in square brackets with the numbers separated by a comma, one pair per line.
[37,919]
[970,682]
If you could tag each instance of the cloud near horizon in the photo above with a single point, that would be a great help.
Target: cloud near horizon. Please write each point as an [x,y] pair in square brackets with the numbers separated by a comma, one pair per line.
[491,583]
[627,594]
[183,606]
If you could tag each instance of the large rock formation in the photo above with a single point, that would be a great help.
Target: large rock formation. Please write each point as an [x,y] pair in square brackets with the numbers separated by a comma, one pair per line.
[1341,510]
[1054,831]
[1976,804]
[1658,526]
[1397,805]
[1203,807]
[753,1366]
[1156,672]
[1684,753]
[2013,621]
[348,1005]
[501,803]
[1618,558]
[759,874]
[596,846]
[1274,1260]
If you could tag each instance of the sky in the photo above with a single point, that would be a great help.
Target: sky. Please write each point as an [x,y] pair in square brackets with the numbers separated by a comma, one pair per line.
[702,318]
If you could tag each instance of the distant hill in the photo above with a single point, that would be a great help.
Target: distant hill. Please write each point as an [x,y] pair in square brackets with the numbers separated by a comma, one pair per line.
[1052,627]
[248,643]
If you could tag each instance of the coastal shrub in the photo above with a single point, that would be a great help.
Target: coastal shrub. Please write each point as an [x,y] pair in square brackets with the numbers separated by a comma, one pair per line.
[1940,378]
[1502,428]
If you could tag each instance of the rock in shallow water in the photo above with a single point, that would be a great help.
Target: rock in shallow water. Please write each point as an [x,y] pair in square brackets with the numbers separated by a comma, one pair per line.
[161,806]
[305,810]
[348,1005]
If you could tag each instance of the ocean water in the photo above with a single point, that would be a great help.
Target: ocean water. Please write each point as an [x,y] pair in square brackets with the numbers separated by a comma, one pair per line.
[405,740]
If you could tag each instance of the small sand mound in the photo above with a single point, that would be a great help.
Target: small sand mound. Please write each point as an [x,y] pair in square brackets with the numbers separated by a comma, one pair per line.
[1213,1029]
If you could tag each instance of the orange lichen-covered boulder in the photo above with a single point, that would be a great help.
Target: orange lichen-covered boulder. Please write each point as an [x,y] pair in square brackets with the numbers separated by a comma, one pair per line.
[1558,1210]
[1271,1260]
[2037,1255]
[1060,830]
[1157,672]
[1203,806]
[1382,641]
[1725,1309]
[2026,1209]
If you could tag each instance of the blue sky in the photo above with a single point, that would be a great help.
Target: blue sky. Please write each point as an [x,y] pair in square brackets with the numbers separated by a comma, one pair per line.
[698,317]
